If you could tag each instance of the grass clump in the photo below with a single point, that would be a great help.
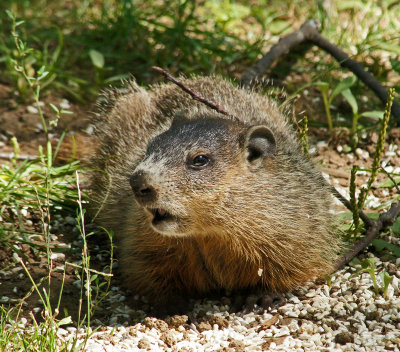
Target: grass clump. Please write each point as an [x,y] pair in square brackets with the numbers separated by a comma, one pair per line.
[34,190]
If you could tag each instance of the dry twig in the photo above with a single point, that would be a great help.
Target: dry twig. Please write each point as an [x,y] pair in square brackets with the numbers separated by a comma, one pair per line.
[385,219]
[309,32]
[191,92]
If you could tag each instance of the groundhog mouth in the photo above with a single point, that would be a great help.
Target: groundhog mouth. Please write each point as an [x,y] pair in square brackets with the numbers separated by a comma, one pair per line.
[161,215]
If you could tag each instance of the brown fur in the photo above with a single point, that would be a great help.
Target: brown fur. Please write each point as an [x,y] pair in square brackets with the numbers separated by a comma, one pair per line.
[274,217]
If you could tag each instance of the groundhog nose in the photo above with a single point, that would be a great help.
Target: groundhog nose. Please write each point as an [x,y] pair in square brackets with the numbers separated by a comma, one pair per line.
[143,191]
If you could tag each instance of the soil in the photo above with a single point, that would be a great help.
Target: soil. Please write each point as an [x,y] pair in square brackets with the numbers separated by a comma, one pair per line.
[22,121]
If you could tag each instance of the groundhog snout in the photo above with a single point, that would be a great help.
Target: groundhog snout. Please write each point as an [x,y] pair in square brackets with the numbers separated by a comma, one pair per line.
[143,191]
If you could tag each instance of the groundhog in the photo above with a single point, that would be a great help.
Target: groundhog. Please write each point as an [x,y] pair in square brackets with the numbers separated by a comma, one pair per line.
[201,201]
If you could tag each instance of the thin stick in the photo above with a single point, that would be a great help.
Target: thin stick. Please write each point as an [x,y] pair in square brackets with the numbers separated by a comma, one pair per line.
[385,219]
[347,204]
[392,179]
[191,92]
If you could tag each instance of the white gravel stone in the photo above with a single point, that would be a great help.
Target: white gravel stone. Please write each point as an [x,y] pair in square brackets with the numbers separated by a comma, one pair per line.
[315,318]
[32,110]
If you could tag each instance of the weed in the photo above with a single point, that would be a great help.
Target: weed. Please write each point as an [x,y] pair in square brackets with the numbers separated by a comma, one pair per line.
[39,186]
[378,151]
[368,266]
[348,95]
[328,95]
[359,204]
[303,135]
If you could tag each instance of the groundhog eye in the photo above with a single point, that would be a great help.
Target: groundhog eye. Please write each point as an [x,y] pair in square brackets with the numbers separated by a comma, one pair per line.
[200,161]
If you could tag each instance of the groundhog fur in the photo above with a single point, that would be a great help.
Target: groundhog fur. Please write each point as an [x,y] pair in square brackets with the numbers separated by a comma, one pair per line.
[201,201]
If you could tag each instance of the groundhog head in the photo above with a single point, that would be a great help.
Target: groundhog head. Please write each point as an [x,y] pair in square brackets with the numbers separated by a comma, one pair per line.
[187,170]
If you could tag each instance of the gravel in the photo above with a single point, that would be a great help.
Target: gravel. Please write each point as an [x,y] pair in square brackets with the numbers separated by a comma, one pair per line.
[345,316]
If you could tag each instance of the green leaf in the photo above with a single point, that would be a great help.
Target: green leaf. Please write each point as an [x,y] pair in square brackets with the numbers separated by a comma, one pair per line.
[389,47]
[373,216]
[375,114]
[350,5]
[66,112]
[396,226]
[97,58]
[380,245]
[348,95]
[387,280]
[355,261]
[278,26]
[343,216]
[9,14]
[347,149]
[65,321]
[43,75]
[388,183]
[324,86]
[368,263]
[395,64]
[342,86]
[55,109]
[117,78]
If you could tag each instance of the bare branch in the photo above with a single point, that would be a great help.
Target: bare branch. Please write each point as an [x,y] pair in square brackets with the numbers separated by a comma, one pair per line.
[309,32]
[385,219]
[285,44]
[191,92]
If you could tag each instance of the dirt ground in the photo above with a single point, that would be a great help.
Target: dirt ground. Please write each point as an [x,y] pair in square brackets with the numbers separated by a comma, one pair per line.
[22,121]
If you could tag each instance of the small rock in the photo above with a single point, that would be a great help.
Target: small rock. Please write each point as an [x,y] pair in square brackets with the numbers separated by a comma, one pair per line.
[65,104]
[221,322]
[153,323]
[4,299]
[70,220]
[31,109]
[176,320]
[391,269]
[55,256]
[344,337]
[237,345]
[168,338]
[144,344]
[203,326]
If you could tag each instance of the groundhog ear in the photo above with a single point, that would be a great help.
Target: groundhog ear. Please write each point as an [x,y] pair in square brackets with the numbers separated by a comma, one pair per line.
[260,143]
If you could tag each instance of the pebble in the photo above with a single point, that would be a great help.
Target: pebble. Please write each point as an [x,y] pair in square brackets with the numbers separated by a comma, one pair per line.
[65,104]
[4,299]
[70,220]
[363,326]
[32,110]
[55,256]
[344,316]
